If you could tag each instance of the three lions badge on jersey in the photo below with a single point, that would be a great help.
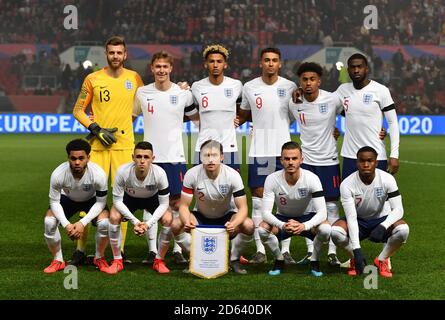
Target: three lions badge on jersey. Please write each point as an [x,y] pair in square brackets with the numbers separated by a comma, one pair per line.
[209,256]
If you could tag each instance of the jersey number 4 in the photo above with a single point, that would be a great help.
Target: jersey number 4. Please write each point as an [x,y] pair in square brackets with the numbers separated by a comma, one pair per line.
[150,108]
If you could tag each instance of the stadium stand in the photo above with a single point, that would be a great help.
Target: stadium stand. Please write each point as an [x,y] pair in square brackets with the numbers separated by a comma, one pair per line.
[243,26]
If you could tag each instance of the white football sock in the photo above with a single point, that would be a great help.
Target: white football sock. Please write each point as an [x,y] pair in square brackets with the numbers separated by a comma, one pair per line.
[398,237]
[340,237]
[176,247]
[271,241]
[285,245]
[52,237]
[114,231]
[323,234]
[257,218]
[151,234]
[183,240]
[333,216]
[165,235]
[238,244]
[309,245]
[102,237]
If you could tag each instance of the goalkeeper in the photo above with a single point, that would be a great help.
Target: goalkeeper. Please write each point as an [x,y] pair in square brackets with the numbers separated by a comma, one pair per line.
[110,91]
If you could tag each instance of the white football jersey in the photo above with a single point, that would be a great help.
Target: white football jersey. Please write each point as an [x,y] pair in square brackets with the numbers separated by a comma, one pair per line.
[317,120]
[364,118]
[93,181]
[126,181]
[292,201]
[163,113]
[214,198]
[217,110]
[269,105]
[370,200]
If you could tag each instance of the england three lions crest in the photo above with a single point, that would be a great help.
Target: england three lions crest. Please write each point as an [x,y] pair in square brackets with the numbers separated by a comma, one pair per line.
[128,85]
[228,92]
[323,108]
[208,244]
[379,192]
[281,92]
[303,192]
[174,99]
[224,189]
[367,98]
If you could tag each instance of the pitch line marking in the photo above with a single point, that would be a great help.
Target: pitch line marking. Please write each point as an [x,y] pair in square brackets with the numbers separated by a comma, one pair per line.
[424,163]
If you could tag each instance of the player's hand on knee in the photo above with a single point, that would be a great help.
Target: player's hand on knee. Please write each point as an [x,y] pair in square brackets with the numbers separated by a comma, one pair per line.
[230,227]
[360,261]
[378,234]
[105,135]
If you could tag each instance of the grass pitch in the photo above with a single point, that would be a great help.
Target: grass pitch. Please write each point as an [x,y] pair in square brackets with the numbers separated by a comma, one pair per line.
[28,160]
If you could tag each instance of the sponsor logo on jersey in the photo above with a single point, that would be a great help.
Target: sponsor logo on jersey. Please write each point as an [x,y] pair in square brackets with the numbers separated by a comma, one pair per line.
[208,244]
[281,92]
[379,192]
[87,187]
[128,84]
[323,108]
[228,92]
[224,189]
[174,99]
[367,98]
[150,187]
[303,192]
[256,94]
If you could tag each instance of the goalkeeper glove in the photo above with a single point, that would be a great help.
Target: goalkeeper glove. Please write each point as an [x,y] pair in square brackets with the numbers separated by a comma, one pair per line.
[105,136]
[360,261]
[378,234]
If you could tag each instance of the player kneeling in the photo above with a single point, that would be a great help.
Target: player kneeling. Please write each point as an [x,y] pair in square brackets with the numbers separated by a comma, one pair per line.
[77,185]
[364,196]
[140,185]
[220,200]
[294,190]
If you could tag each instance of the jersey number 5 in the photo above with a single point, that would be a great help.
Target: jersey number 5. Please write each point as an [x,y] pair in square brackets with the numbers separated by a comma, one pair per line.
[104,96]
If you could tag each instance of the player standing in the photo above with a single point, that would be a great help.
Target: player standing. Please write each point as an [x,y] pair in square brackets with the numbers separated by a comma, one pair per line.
[111,92]
[163,105]
[217,97]
[316,116]
[365,103]
[266,101]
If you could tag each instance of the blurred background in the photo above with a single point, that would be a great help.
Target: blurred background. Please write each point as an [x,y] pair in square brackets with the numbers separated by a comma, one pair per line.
[43,62]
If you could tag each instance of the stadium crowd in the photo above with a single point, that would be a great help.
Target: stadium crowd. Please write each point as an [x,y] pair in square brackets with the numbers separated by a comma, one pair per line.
[240,25]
